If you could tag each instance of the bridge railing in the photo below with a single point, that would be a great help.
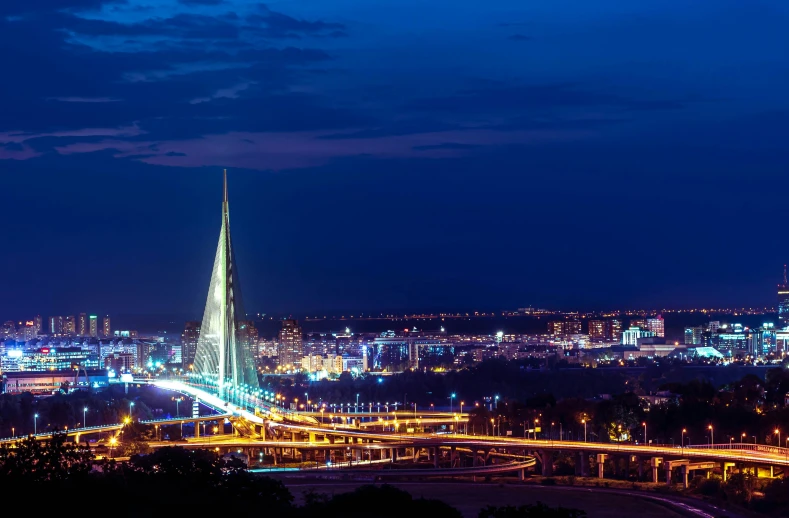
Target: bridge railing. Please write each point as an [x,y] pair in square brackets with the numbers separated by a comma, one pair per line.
[765,448]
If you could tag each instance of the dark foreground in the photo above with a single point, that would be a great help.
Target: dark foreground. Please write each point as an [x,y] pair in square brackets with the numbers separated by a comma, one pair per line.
[469,498]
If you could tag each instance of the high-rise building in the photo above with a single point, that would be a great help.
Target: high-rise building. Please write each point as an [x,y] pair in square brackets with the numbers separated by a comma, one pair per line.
[94,326]
[69,325]
[291,347]
[657,326]
[610,329]
[55,326]
[638,322]
[564,327]
[219,355]
[248,337]
[783,302]
[82,325]
[189,339]
[597,330]
[106,330]
[693,335]
[38,323]
[8,330]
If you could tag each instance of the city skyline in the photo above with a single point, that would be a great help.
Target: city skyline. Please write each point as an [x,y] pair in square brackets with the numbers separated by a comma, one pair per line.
[536,162]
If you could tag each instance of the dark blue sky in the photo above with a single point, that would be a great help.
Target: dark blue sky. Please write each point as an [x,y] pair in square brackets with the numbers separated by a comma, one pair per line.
[393,154]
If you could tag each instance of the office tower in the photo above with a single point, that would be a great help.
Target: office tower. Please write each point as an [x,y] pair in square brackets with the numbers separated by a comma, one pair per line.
[783,302]
[26,331]
[82,325]
[69,325]
[55,326]
[38,323]
[94,326]
[713,326]
[248,337]
[657,326]
[8,330]
[615,327]
[597,330]
[693,335]
[189,339]
[291,349]
[564,327]
[106,330]
[638,322]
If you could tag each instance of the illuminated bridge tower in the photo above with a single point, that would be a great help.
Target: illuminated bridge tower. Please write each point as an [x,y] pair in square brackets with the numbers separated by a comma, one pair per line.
[222,359]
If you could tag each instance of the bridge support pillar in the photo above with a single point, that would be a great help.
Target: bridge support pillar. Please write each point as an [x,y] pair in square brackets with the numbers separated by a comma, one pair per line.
[655,462]
[436,453]
[640,463]
[546,459]
[581,464]
[601,465]
[522,474]
[197,430]
[725,466]
[685,473]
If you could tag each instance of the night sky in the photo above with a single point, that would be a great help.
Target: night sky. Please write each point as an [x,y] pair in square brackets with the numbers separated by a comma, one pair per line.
[388,154]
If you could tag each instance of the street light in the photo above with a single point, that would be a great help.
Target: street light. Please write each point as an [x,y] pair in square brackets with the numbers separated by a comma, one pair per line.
[84,417]
[451,397]
[778,433]
[645,433]
[357,403]
[35,420]
[492,426]
[584,422]
[113,442]
[177,400]
[131,404]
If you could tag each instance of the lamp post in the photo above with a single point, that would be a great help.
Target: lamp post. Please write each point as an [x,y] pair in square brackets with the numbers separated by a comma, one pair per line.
[584,422]
[131,404]
[743,438]
[451,397]
[684,430]
[85,417]
[177,400]
[13,432]
[35,424]
[645,433]
[357,403]
[113,442]
[492,426]
[778,433]
[712,436]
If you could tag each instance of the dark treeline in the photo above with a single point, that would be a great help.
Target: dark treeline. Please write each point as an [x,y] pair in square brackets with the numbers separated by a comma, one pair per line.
[60,478]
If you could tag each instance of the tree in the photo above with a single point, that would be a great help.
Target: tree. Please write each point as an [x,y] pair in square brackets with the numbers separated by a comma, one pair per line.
[33,461]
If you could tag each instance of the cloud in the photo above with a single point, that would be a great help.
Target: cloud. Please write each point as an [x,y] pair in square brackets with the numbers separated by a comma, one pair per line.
[280,151]
[201,2]
[445,145]
[84,99]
